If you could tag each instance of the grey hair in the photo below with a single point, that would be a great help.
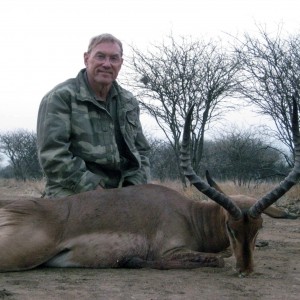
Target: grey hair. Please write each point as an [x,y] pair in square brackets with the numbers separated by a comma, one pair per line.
[105,37]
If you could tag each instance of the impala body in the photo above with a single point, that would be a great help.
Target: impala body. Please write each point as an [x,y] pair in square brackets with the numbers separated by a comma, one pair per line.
[111,228]
[139,226]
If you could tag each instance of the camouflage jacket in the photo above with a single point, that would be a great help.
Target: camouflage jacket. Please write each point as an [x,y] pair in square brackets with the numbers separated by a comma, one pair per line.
[76,140]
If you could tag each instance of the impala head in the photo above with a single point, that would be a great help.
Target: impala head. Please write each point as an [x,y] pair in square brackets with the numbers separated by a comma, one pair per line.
[242,223]
[242,234]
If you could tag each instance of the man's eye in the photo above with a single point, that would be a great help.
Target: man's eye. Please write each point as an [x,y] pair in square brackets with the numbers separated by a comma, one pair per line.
[101,57]
[114,59]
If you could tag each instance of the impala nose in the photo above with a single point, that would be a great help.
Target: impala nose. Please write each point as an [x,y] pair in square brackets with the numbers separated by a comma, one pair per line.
[245,272]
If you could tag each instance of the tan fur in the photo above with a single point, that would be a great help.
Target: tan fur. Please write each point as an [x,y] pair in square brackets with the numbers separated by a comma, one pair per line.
[139,226]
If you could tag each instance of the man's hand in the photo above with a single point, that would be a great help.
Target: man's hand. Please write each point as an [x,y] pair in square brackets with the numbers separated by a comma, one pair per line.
[126,183]
[99,187]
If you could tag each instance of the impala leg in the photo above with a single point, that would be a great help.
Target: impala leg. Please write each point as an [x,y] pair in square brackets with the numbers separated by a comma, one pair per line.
[183,259]
[5,202]
[23,246]
[190,261]
[24,252]
[200,258]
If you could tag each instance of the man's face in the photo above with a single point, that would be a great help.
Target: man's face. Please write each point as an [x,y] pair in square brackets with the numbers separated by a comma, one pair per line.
[103,63]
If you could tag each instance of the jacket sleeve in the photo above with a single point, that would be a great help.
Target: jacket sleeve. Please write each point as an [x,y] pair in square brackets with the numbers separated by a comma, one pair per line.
[53,142]
[142,175]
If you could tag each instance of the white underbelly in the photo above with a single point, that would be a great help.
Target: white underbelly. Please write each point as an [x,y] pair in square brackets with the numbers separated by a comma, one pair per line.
[100,250]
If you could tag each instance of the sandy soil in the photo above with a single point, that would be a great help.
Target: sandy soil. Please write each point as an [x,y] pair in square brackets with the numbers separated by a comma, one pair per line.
[276,276]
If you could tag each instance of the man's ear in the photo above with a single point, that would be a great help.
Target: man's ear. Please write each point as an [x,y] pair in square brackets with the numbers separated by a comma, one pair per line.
[85,57]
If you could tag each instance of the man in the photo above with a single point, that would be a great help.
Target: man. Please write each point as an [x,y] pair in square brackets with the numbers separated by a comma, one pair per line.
[88,130]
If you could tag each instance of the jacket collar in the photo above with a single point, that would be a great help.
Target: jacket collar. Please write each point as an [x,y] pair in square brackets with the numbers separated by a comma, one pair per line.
[85,93]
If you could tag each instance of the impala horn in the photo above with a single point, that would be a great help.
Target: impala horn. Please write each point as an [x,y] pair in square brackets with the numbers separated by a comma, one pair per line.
[201,185]
[292,177]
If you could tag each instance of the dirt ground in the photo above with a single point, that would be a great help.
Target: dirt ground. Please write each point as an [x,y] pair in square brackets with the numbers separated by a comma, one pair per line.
[276,276]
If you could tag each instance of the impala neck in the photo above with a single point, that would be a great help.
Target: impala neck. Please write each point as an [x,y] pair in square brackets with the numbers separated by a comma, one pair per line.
[208,222]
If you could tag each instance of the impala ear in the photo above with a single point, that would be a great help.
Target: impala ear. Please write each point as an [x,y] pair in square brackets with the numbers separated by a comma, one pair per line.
[276,212]
[212,183]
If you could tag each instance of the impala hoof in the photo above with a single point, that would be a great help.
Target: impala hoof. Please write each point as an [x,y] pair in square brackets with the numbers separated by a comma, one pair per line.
[260,244]
[215,262]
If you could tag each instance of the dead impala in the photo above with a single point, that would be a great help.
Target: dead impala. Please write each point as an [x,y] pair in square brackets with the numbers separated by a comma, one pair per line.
[139,226]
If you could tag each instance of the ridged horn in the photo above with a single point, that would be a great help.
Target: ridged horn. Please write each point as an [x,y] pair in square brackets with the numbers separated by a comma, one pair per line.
[201,185]
[292,177]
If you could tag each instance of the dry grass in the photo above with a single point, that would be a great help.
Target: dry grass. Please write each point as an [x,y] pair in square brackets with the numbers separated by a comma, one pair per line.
[14,188]
[36,188]
[10,188]
[290,201]
[230,188]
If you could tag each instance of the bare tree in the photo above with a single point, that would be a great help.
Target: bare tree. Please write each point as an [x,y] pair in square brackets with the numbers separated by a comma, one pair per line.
[243,156]
[20,147]
[271,77]
[172,76]
[162,160]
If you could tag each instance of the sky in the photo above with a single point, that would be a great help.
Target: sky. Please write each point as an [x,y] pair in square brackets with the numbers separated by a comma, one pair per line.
[43,41]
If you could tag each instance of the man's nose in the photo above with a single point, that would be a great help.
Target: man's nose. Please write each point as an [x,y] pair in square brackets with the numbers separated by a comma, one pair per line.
[106,62]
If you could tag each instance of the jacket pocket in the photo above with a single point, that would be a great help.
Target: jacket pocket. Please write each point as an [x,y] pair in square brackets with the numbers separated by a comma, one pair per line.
[132,123]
